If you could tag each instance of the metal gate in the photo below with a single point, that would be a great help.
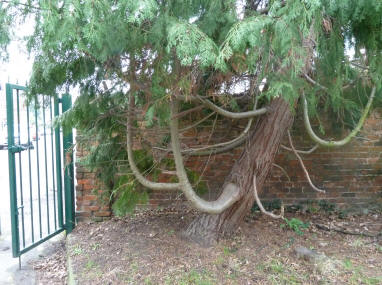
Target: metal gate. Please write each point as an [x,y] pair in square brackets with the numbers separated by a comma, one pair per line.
[41,173]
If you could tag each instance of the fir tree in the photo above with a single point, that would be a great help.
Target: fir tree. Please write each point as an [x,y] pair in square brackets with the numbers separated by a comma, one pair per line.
[141,64]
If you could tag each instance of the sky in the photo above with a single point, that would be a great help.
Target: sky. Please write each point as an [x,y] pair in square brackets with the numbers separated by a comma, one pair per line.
[16,70]
[19,66]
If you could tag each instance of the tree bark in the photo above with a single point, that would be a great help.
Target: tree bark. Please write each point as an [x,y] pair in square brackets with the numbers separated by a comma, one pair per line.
[256,159]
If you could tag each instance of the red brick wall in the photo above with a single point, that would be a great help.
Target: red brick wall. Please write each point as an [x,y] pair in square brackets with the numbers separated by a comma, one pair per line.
[351,174]
[90,204]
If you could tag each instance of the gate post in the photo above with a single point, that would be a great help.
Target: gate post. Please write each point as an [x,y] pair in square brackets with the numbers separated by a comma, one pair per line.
[12,176]
[60,210]
[68,170]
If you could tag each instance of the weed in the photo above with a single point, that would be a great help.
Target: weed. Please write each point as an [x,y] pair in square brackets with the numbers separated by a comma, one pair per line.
[296,225]
[326,206]
[95,246]
[229,250]
[90,264]
[260,267]
[348,264]
[289,243]
[147,281]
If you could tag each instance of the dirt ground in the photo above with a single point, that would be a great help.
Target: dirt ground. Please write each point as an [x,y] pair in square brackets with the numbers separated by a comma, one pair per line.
[147,248]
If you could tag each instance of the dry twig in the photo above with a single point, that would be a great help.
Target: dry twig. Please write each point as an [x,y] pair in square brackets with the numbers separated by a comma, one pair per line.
[303,166]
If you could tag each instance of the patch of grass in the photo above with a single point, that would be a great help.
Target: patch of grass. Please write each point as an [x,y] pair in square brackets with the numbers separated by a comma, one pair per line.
[219,260]
[358,276]
[229,250]
[90,264]
[91,270]
[276,266]
[348,264]
[280,273]
[77,250]
[296,225]
[147,281]
[193,277]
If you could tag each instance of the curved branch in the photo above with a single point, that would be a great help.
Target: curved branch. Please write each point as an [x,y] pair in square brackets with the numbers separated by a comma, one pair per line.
[347,139]
[282,170]
[260,205]
[315,82]
[232,115]
[145,182]
[222,144]
[303,166]
[231,192]
[301,151]
[224,149]
[211,151]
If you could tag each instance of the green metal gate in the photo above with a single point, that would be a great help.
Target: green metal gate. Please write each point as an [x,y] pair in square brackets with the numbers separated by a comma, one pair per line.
[41,173]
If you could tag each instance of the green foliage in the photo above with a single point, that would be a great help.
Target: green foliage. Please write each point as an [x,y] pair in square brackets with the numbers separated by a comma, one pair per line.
[5,24]
[127,195]
[274,204]
[159,49]
[296,225]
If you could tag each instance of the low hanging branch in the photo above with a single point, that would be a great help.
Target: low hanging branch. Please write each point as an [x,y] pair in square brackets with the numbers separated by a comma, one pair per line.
[303,166]
[347,139]
[231,192]
[260,205]
[145,182]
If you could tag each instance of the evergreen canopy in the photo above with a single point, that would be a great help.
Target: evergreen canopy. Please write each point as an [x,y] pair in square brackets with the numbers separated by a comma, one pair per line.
[211,48]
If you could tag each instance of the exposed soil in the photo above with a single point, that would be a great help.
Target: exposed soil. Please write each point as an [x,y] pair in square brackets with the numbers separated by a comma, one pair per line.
[147,248]
[51,267]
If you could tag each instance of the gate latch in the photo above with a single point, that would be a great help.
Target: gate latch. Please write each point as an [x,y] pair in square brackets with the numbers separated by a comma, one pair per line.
[18,148]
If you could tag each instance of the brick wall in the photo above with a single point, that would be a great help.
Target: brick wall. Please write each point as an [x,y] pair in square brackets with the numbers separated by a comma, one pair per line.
[351,174]
[90,204]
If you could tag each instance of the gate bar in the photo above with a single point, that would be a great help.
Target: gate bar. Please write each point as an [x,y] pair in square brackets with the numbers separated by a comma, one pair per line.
[20,169]
[30,175]
[38,167]
[53,167]
[46,166]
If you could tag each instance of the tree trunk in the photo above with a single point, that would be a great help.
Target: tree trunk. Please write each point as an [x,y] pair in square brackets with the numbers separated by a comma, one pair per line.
[256,159]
